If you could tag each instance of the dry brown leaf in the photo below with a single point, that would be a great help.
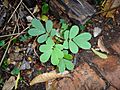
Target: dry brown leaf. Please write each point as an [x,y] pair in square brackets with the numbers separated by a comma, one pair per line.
[101,45]
[109,5]
[48,76]
[9,84]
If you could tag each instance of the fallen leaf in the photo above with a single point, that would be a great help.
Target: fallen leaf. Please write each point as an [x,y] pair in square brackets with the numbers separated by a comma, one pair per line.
[109,5]
[101,55]
[6,3]
[9,84]
[101,45]
[48,76]
[25,65]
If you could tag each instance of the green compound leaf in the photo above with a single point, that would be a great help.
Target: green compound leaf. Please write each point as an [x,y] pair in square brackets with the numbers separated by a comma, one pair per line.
[69,65]
[66,33]
[68,56]
[54,58]
[73,31]
[38,25]
[35,32]
[45,56]
[82,40]
[53,32]
[59,46]
[61,66]
[42,38]
[73,47]
[50,41]
[49,25]
[65,44]
[45,48]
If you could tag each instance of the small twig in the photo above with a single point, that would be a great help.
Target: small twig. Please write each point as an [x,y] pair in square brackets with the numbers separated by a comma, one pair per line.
[16,36]
[34,43]
[13,14]
[7,47]
[11,34]
[28,10]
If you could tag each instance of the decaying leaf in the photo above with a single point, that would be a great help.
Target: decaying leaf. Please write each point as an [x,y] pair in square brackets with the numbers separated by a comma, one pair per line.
[6,3]
[109,5]
[25,65]
[48,76]
[101,45]
[9,84]
[101,55]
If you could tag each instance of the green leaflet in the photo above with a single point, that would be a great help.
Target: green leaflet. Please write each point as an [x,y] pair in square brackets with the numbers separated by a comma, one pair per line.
[61,65]
[73,31]
[45,8]
[65,44]
[37,24]
[2,42]
[45,47]
[49,25]
[73,47]
[35,32]
[69,64]
[42,38]
[45,56]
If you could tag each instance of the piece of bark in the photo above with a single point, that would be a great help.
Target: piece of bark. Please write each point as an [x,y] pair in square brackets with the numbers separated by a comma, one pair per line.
[78,11]
[83,78]
[93,73]
[110,68]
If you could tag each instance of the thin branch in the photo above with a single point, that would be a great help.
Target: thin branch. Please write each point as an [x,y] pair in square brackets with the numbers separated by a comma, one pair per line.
[11,34]
[7,47]
[28,10]
[16,36]
[13,14]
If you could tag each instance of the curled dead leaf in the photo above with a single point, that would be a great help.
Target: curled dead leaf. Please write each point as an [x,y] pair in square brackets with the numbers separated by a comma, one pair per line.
[101,45]
[48,76]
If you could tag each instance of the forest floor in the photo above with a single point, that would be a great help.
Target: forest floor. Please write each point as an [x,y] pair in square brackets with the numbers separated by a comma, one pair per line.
[19,53]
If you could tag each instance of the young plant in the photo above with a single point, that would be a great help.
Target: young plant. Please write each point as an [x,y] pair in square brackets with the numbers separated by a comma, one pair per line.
[54,50]
[73,41]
